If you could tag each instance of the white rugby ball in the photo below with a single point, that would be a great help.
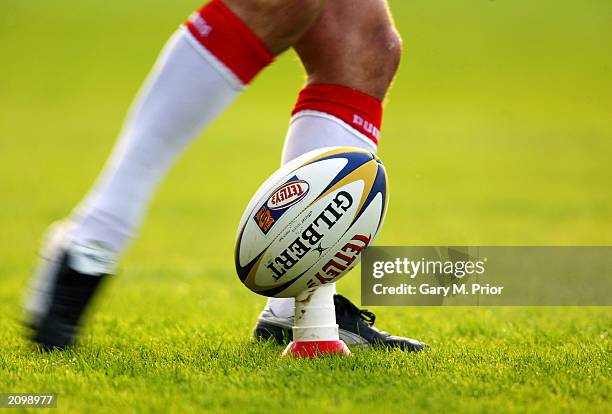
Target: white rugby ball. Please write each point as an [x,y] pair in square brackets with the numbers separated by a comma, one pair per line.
[308,224]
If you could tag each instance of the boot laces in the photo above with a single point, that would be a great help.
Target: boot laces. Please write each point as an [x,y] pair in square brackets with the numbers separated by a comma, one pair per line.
[345,305]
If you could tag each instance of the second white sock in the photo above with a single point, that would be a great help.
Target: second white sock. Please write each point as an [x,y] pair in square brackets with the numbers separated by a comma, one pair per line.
[184,92]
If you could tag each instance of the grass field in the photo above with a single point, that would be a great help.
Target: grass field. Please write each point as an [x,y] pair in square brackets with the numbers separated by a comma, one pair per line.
[498,131]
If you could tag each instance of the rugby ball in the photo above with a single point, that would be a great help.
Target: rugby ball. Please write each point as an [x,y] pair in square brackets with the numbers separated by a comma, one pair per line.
[308,224]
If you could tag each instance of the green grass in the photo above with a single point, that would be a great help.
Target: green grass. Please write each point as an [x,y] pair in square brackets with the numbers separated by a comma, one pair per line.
[497,131]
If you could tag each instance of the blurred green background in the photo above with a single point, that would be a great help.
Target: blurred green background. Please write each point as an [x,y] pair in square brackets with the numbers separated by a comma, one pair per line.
[498,130]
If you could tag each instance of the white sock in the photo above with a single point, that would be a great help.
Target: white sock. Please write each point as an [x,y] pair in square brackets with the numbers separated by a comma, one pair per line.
[202,69]
[328,115]
[184,93]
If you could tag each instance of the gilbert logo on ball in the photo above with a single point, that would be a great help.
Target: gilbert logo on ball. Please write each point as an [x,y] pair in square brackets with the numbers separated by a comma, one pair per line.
[308,224]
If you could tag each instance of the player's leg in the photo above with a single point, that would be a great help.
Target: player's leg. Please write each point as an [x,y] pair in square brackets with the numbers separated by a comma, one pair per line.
[204,66]
[351,55]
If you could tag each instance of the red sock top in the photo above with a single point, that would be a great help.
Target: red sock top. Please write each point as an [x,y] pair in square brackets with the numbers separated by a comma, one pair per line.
[360,111]
[231,41]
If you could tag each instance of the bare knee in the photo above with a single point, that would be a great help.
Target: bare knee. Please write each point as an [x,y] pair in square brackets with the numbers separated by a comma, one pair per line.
[354,43]
[278,23]
[382,60]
